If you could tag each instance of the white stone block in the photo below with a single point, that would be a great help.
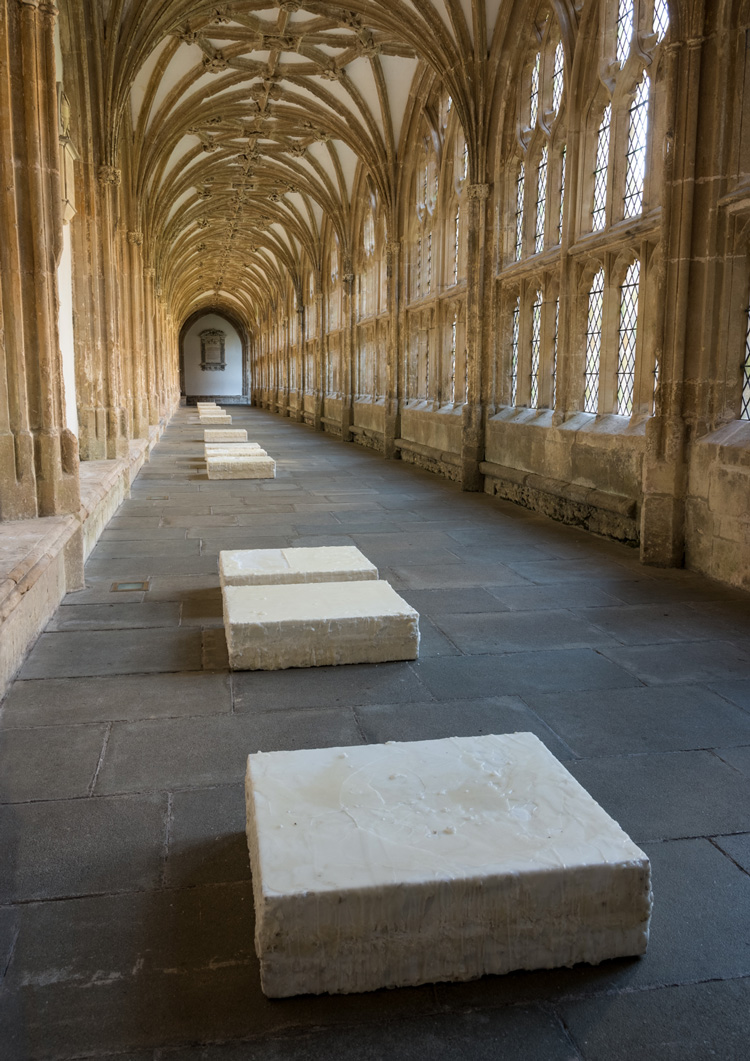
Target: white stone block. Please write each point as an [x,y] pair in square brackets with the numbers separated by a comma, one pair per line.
[233,449]
[397,864]
[327,563]
[317,624]
[215,418]
[226,467]
[233,434]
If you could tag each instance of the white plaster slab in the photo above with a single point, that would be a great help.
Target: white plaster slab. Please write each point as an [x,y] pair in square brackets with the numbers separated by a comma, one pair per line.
[215,418]
[247,467]
[326,563]
[408,863]
[233,434]
[317,624]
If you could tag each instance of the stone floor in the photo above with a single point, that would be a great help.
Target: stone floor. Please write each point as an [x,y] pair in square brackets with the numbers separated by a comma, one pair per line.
[126,928]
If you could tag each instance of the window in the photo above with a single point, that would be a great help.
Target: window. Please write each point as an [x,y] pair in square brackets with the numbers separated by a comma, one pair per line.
[554,353]
[558,77]
[626,339]
[536,345]
[593,344]
[428,264]
[661,18]
[562,194]
[452,380]
[624,33]
[745,406]
[514,352]
[534,94]
[541,202]
[600,170]
[635,156]
[519,211]
[456,243]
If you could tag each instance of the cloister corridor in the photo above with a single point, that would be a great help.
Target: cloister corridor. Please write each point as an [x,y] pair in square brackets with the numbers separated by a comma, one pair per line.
[126,913]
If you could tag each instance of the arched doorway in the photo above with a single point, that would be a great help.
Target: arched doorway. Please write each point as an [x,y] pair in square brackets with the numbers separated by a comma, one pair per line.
[214,358]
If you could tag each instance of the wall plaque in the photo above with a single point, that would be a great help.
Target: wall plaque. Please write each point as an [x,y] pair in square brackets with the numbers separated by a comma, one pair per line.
[212,350]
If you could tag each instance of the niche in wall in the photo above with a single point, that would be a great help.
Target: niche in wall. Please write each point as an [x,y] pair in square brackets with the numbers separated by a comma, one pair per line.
[213,358]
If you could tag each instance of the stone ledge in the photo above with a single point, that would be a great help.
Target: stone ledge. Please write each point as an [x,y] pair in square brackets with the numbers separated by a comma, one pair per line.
[612,515]
[437,455]
[40,561]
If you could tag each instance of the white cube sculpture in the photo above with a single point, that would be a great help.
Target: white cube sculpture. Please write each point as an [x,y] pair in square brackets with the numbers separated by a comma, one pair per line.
[232,434]
[215,418]
[317,624]
[399,864]
[326,563]
[223,466]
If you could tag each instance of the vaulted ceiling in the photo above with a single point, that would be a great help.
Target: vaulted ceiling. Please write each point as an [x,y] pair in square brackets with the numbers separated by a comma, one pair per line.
[249,120]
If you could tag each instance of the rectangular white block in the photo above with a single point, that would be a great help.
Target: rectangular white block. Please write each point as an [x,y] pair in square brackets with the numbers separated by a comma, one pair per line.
[233,449]
[327,563]
[224,467]
[317,624]
[206,405]
[233,434]
[215,418]
[407,863]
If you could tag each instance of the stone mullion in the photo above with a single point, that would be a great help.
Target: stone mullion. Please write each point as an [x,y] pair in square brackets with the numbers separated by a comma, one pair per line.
[299,359]
[392,421]
[140,393]
[39,219]
[127,368]
[472,427]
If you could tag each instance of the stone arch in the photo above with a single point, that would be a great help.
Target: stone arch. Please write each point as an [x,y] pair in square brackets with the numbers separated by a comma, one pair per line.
[245,391]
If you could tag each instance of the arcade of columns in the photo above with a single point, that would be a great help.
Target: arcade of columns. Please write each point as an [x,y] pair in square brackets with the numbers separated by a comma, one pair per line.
[507,241]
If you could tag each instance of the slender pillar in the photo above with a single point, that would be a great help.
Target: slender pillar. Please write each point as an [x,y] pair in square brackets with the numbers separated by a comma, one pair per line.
[472,426]
[347,350]
[392,423]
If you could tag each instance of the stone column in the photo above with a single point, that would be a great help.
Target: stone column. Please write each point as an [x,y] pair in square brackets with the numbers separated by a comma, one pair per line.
[137,345]
[347,349]
[319,363]
[39,454]
[117,442]
[665,460]
[149,325]
[392,419]
[299,357]
[472,425]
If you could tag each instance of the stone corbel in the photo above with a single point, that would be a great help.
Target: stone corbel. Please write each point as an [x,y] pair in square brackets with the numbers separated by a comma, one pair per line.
[135,237]
[109,175]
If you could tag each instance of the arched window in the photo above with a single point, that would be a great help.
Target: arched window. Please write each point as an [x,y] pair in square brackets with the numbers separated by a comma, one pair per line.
[520,191]
[593,344]
[541,201]
[515,324]
[745,403]
[536,346]
[626,339]
[635,156]
[601,170]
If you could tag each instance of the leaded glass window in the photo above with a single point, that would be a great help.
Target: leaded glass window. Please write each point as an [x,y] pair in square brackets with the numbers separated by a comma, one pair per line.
[554,352]
[661,18]
[635,157]
[534,94]
[745,406]
[456,243]
[562,194]
[514,352]
[418,273]
[558,77]
[519,211]
[600,169]
[624,30]
[541,201]
[536,346]
[428,264]
[593,344]
[656,384]
[452,381]
[626,339]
